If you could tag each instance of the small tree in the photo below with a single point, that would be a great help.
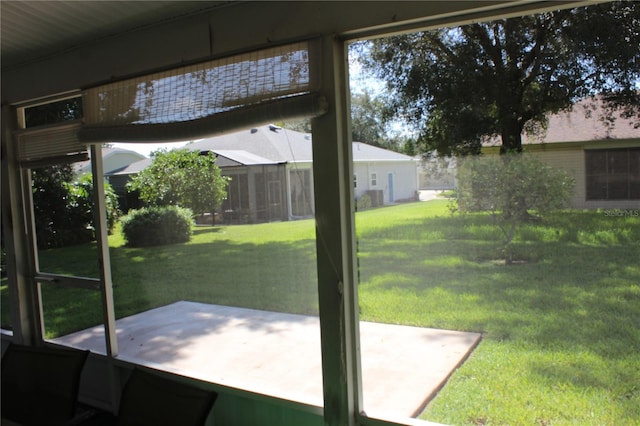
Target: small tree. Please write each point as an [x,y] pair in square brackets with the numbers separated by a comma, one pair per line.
[182,178]
[512,188]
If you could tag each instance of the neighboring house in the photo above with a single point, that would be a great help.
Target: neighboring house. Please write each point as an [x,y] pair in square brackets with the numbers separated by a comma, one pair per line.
[272,177]
[386,176]
[112,159]
[118,180]
[603,156]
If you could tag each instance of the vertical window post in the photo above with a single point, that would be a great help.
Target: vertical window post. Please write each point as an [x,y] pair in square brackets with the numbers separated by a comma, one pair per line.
[25,308]
[335,239]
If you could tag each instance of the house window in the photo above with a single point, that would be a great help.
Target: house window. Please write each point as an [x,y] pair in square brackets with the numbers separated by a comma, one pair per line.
[54,112]
[374,180]
[355,181]
[613,174]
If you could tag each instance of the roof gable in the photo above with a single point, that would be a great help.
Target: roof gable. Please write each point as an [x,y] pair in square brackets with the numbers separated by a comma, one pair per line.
[132,168]
[272,143]
[584,122]
[278,145]
[239,158]
[110,156]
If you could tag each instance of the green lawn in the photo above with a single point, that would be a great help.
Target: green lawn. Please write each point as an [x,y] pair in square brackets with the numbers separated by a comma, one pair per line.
[561,328]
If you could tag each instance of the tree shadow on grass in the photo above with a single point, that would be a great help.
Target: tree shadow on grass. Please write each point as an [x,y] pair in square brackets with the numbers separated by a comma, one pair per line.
[573,295]
[575,305]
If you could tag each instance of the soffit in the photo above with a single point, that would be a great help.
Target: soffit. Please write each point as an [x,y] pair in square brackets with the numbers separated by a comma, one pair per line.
[57,47]
[31,30]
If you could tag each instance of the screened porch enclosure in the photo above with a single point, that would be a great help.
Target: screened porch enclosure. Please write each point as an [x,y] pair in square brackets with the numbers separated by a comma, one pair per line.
[258,194]
[254,194]
[176,71]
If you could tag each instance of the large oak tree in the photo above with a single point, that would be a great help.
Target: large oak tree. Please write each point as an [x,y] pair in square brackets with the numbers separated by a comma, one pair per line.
[500,78]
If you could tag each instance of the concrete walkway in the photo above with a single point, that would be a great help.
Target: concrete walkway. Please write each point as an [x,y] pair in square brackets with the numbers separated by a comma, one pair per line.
[430,194]
[279,354]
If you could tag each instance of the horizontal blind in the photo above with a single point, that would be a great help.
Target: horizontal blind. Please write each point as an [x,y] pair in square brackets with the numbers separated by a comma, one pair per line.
[169,99]
[51,143]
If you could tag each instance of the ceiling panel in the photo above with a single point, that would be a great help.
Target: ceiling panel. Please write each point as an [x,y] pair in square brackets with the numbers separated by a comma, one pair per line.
[33,29]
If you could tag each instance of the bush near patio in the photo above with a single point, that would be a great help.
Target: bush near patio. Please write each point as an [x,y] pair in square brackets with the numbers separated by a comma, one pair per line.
[153,226]
[560,333]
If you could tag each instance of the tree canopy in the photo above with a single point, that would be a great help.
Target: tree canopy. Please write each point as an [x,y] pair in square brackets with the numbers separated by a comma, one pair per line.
[369,124]
[500,78]
[182,178]
[63,206]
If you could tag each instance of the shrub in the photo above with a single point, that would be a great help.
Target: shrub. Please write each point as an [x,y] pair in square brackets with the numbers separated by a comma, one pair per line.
[153,226]
[511,187]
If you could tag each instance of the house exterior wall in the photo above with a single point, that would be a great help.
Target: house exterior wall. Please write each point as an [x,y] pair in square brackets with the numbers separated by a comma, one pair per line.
[405,180]
[570,157]
[571,160]
[126,199]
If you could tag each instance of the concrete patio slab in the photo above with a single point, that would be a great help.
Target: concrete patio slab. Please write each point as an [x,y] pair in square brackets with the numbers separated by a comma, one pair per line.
[278,354]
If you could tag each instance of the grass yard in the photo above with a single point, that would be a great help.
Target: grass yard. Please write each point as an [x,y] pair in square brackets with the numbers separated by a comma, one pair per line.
[561,327]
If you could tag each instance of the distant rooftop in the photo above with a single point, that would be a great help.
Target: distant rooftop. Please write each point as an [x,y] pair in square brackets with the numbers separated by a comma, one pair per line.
[583,122]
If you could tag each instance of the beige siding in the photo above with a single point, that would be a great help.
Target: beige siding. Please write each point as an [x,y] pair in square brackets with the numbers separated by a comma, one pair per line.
[570,157]
[570,160]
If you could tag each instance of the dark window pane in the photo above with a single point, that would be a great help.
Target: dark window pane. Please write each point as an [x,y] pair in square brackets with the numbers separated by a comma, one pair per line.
[618,162]
[596,162]
[55,112]
[634,189]
[634,162]
[596,187]
[618,188]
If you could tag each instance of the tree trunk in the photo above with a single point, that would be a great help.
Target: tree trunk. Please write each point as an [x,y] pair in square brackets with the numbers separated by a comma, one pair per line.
[511,136]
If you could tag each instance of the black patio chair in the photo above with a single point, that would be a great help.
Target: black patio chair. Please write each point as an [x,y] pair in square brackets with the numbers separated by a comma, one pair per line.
[149,399]
[40,384]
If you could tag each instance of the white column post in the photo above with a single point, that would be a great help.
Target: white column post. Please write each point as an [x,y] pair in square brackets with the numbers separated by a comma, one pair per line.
[335,241]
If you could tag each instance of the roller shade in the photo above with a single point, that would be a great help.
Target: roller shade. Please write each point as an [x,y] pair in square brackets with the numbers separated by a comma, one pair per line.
[207,98]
